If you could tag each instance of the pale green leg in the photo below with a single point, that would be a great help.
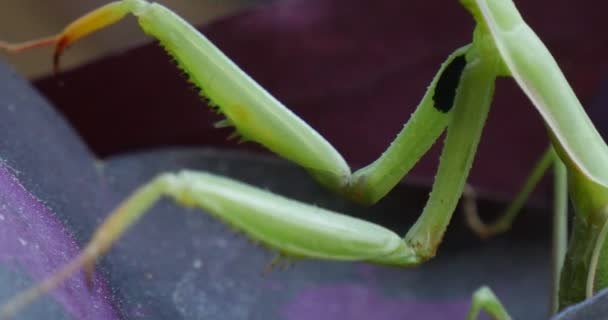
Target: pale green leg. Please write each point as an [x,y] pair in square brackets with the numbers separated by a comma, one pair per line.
[463,136]
[560,228]
[560,214]
[372,182]
[505,219]
[484,299]
[279,223]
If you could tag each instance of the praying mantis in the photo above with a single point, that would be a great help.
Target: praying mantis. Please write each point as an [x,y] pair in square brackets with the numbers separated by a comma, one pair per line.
[458,99]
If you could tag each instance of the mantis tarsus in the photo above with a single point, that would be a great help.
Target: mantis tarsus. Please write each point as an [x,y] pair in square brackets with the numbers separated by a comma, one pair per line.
[458,99]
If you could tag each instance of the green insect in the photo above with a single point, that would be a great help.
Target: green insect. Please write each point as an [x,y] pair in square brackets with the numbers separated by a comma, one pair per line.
[458,99]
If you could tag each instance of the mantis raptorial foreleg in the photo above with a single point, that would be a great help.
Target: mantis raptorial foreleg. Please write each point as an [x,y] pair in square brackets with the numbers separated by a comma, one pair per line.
[458,98]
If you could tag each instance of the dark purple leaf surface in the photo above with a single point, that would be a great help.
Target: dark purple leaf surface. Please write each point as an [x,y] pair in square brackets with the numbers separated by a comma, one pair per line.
[594,308]
[34,243]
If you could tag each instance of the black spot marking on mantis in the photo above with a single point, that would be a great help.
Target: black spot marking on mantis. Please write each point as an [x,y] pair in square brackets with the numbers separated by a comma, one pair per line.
[445,90]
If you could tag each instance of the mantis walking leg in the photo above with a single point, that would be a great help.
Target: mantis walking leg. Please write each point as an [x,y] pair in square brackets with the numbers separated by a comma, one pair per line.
[505,220]
[560,215]
[559,232]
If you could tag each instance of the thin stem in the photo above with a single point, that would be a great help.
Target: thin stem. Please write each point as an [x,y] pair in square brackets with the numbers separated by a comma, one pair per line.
[505,220]
[593,264]
[560,228]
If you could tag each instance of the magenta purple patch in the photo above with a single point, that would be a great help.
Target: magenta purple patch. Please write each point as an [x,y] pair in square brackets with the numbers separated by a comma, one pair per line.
[33,240]
[362,303]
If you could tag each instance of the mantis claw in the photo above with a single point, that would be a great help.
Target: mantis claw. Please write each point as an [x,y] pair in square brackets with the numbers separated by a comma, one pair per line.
[60,41]
[87,24]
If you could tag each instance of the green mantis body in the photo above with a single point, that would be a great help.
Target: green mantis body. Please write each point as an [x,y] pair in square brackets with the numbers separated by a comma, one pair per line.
[458,99]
